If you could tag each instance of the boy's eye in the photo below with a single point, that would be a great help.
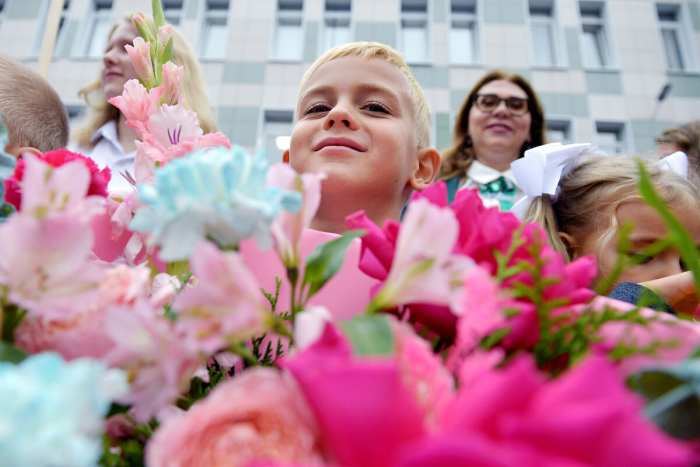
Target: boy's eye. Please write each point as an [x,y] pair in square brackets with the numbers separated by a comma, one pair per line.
[375,107]
[317,108]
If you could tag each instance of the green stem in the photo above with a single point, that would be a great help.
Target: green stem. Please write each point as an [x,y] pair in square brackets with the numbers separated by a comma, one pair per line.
[245,353]
[293,276]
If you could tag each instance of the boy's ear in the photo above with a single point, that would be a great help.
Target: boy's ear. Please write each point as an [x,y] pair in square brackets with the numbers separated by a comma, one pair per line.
[426,170]
[285,156]
[17,152]
[570,242]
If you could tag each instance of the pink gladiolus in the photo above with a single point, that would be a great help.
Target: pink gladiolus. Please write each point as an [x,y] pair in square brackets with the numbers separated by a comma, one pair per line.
[172,77]
[226,306]
[424,270]
[357,402]
[137,104]
[258,416]
[149,349]
[165,33]
[43,264]
[288,227]
[585,417]
[140,55]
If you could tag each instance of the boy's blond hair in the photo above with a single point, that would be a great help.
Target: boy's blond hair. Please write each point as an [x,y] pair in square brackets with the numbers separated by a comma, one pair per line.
[591,193]
[367,50]
[32,111]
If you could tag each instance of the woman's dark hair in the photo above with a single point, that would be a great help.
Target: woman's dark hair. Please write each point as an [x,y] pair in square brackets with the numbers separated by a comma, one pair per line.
[459,156]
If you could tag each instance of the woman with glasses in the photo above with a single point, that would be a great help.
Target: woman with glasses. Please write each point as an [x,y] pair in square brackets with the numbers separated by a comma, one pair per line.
[500,119]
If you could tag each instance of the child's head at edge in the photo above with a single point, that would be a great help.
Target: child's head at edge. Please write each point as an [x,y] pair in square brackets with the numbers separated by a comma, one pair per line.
[35,118]
[598,196]
[361,180]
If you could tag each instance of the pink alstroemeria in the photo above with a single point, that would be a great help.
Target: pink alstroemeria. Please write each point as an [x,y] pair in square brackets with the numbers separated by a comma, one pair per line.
[288,227]
[147,346]
[137,104]
[424,269]
[140,54]
[172,77]
[225,307]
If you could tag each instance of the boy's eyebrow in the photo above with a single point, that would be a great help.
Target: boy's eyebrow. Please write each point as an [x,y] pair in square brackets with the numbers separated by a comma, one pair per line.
[364,87]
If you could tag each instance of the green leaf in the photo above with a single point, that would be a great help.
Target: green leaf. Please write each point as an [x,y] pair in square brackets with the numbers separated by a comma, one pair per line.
[325,261]
[681,239]
[158,17]
[10,353]
[369,334]
[117,409]
[179,269]
[167,54]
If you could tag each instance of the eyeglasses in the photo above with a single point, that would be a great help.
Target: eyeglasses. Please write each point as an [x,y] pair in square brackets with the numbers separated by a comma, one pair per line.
[489,102]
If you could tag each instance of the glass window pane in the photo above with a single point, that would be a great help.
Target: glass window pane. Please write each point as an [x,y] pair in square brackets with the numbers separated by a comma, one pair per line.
[593,46]
[674,58]
[462,44]
[414,37]
[543,45]
[215,37]
[288,46]
[98,37]
[556,136]
[610,141]
[336,33]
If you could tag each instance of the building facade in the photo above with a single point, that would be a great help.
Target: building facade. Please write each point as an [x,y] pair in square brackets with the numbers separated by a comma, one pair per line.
[598,66]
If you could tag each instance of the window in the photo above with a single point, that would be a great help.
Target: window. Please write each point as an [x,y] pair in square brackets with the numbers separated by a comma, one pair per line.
[464,48]
[172,10]
[672,36]
[289,33]
[59,35]
[214,34]
[596,49]
[277,133]
[75,114]
[2,8]
[610,137]
[336,23]
[544,33]
[414,30]
[559,131]
[98,28]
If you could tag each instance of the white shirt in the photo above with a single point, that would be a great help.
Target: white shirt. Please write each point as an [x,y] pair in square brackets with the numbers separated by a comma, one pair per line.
[108,152]
[496,188]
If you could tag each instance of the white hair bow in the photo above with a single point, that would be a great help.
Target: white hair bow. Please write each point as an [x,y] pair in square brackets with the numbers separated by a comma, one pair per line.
[676,163]
[540,170]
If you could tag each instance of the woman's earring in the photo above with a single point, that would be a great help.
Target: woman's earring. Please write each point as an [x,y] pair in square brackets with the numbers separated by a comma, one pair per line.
[468,141]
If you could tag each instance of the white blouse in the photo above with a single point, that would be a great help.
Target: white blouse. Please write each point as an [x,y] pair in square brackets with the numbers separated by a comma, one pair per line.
[495,188]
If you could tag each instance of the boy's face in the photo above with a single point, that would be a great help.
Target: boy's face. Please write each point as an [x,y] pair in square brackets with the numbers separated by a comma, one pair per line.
[648,227]
[355,123]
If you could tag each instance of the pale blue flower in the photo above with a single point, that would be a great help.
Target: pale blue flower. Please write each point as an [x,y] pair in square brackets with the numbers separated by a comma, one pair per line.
[219,194]
[51,411]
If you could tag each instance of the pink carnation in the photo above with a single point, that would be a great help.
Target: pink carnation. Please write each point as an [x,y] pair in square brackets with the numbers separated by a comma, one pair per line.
[99,179]
[259,416]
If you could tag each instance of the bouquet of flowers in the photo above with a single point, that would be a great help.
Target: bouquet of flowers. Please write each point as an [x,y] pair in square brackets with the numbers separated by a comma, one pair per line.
[199,321]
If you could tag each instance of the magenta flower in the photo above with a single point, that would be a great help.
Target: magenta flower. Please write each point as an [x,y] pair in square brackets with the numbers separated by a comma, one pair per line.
[225,307]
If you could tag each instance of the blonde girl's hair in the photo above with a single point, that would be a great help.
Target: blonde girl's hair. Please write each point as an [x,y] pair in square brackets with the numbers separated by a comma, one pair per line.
[367,50]
[458,157]
[593,191]
[193,89]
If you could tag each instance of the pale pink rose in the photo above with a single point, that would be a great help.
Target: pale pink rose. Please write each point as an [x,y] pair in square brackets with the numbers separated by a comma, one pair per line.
[288,227]
[164,289]
[423,372]
[44,264]
[147,346]
[172,77]
[123,285]
[137,104]
[226,306]
[258,416]
[424,269]
[140,55]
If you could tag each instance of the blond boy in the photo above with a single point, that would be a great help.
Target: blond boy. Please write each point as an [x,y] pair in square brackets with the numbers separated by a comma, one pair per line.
[32,112]
[364,121]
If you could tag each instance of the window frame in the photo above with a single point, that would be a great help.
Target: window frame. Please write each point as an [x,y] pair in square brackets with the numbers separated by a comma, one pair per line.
[477,32]
[558,42]
[625,140]
[326,15]
[205,15]
[273,116]
[606,33]
[180,14]
[683,33]
[566,121]
[41,27]
[80,47]
[288,14]
[417,16]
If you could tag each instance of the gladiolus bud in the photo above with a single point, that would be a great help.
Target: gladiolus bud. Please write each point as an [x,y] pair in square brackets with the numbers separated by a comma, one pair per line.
[140,55]
[172,77]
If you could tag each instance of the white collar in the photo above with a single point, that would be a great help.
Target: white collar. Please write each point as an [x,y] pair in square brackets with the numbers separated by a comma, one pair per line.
[483,174]
[108,131]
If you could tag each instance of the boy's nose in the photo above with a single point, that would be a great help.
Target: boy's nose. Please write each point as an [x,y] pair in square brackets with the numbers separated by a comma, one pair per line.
[340,115]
